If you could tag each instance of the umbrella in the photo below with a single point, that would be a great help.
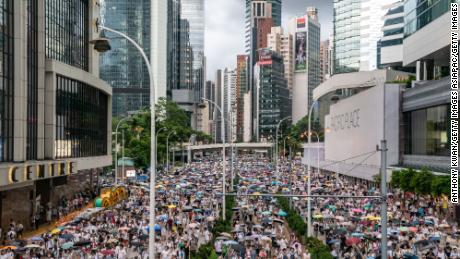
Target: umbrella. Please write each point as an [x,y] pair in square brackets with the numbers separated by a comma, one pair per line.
[67,236]
[352,241]
[357,234]
[82,243]
[9,247]
[231,242]
[67,245]
[318,216]
[403,229]
[278,221]
[282,213]
[107,252]
[222,238]
[36,239]
[171,206]
[157,227]
[444,226]
[55,231]
[224,234]
[357,210]
[413,229]
[210,218]
[32,246]
[266,213]
[192,225]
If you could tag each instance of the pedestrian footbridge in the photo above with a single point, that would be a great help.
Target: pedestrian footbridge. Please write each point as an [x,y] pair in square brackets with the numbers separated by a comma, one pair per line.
[240,146]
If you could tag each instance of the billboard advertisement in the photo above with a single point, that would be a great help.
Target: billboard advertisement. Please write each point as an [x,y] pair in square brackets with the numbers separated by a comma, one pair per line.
[301,23]
[300,51]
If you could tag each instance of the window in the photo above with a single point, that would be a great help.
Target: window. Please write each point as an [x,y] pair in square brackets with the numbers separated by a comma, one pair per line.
[67,32]
[6,81]
[81,119]
[32,79]
[426,131]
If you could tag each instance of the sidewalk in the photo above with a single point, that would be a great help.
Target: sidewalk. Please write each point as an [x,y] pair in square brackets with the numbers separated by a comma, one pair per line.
[48,227]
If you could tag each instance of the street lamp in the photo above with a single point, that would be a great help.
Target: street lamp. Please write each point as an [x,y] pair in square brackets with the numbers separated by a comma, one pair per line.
[309,232]
[223,153]
[101,44]
[276,141]
[167,149]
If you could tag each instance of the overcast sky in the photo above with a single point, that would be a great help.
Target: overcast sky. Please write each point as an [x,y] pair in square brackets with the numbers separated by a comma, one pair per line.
[224,33]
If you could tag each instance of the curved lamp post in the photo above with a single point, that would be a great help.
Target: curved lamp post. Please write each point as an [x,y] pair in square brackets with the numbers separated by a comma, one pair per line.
[276,142]
[102,45]
[223,153]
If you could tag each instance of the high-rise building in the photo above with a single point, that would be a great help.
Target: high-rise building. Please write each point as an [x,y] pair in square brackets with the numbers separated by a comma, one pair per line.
[217,116]
[324,60]
[241,90]
[307,76]
[174,48]
[193,12]
[259,14]
[229,104]
[55,113]
[357,29]
[189,89]
[273,101]
[124,68]
[390,45]
[282,43]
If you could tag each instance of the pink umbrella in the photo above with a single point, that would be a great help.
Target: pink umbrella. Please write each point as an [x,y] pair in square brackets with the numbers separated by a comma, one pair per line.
[357,210]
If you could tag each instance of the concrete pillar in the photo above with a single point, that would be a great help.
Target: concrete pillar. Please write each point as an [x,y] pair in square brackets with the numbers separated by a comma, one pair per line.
[20,80]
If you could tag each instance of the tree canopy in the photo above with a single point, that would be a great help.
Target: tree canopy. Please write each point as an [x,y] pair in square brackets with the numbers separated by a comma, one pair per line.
[168,115]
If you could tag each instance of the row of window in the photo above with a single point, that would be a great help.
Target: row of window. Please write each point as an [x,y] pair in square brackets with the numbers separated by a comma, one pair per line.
[81,119]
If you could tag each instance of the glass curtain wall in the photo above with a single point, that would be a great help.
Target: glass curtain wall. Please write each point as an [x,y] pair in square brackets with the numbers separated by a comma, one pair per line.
[426,131]
[6,80]
[67,32]
[32,79]
[81,119]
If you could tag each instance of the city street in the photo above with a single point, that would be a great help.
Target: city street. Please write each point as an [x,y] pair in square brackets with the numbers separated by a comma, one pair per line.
[188,209]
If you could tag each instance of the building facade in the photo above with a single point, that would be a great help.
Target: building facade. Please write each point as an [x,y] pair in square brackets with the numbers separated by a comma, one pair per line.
[390,45]
[306,32]
[123,68]
[56,112]
[282,43]
[241,90]
[357,28]
[324,58]
[273,101]
[229,105]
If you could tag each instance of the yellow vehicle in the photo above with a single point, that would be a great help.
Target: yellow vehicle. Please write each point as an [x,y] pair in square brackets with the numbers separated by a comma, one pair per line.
[111,196]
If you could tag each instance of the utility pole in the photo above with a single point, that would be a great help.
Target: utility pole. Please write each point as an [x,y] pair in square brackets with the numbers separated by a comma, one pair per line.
[123,155]
[383,189]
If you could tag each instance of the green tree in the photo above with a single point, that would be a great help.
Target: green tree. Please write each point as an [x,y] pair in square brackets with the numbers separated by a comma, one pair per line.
[405,182]
[422,182]
[137,131]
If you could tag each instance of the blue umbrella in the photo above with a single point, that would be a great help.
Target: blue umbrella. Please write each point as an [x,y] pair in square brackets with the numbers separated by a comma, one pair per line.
[429,222]
[67,245]
[230,242]
[282,213]
[157,227]
[357,234]
[37,239]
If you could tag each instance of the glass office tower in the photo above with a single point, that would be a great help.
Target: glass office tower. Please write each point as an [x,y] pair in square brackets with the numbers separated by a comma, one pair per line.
[123,67]
[346,35]
[192,14]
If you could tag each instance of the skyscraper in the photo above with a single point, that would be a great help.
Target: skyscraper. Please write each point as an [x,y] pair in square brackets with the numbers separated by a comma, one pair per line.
[193,12]
[306,32]
[123,68]
[260,14]
[272,94]
[357,29]
[229,104]
[282,43]
[324,59]
[241,90]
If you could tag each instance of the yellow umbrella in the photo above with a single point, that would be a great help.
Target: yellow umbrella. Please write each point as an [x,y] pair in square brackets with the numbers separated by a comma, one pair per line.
[257,193]
[9,247]
[318,216]
[171,206]
[55,231]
